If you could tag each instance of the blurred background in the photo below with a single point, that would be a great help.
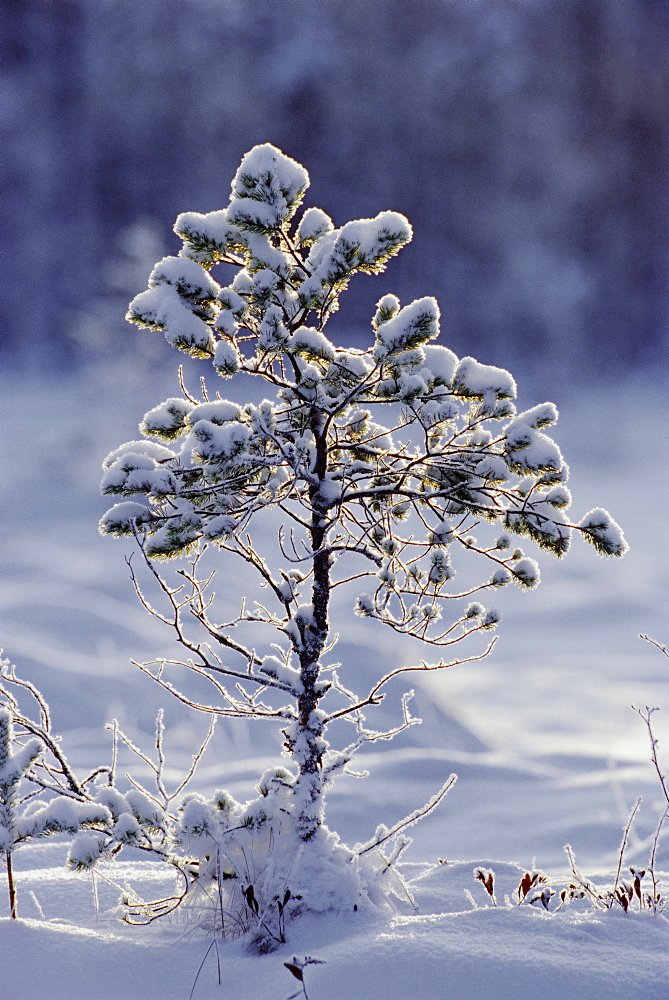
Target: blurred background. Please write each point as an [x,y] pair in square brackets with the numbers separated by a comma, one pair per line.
[527,141]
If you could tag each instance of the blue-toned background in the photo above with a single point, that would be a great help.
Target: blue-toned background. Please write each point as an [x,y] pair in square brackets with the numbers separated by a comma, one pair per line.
[527,141]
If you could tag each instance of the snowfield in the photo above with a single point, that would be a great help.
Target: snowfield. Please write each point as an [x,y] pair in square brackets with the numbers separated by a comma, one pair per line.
[541,735]
[451,948]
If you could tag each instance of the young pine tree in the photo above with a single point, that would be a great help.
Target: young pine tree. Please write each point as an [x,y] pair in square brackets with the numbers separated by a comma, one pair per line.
[377,465]
[14,762]
[23,817]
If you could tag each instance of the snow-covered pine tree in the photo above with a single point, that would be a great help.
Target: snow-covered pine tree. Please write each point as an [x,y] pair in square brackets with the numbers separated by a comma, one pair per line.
[22,818]
[41,794]
[378,466]
[13,766]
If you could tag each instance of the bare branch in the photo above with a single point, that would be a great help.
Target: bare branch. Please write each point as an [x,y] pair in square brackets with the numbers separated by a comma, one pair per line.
[197,757]
[236,710]
[663,649]
[373,697]
[411,819]
[646,714]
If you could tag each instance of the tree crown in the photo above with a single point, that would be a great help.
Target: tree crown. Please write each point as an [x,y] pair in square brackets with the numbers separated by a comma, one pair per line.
[448,452]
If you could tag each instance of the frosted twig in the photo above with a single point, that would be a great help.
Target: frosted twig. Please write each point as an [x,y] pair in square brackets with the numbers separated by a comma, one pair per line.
[623,844]
[646,714]
[411,819]
[595,899]
[653,642]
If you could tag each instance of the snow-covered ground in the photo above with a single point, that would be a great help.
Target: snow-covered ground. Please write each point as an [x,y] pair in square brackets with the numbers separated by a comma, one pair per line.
[67,949]
[541,735]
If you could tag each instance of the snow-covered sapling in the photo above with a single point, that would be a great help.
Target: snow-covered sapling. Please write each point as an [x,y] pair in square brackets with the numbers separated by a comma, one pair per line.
[41,794]
[377,466]
[142,817]
[18,822]
[13,766]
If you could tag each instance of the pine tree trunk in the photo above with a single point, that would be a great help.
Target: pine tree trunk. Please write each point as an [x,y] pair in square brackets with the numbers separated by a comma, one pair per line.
[309,785]
[11,885]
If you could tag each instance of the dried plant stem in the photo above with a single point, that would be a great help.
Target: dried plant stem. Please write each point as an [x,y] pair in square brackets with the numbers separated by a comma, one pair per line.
[653,855]
[595,898]
[646,714]
[214,944]
[623,843]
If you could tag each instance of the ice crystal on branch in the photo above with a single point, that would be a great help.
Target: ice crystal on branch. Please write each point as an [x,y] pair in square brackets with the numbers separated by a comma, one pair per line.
[378,464]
